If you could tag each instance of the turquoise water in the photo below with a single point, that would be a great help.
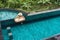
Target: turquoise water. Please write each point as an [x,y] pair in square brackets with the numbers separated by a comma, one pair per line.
[37,30]
[5,15]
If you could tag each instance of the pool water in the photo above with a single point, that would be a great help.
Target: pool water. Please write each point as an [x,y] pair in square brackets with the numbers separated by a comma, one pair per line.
[35,30]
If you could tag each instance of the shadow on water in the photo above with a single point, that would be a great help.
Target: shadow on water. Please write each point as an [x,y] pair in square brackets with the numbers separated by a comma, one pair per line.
[41,19]
[29,22]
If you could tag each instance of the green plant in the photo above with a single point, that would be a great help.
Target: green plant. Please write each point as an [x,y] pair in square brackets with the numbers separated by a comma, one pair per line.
[44,1]
[30,5]
[1,5]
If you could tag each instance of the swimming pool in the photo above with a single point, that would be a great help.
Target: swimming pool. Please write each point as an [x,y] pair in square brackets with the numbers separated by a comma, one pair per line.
[36,27]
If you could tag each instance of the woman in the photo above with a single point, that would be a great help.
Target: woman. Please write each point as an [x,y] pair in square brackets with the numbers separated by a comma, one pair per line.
[19,18]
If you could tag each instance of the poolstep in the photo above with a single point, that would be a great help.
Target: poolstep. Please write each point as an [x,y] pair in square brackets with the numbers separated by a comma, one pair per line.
[9,28]
[10,33]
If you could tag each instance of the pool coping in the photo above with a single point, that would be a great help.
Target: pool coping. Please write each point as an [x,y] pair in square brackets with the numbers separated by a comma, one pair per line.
[30,14]
[44,11]
[51,36]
